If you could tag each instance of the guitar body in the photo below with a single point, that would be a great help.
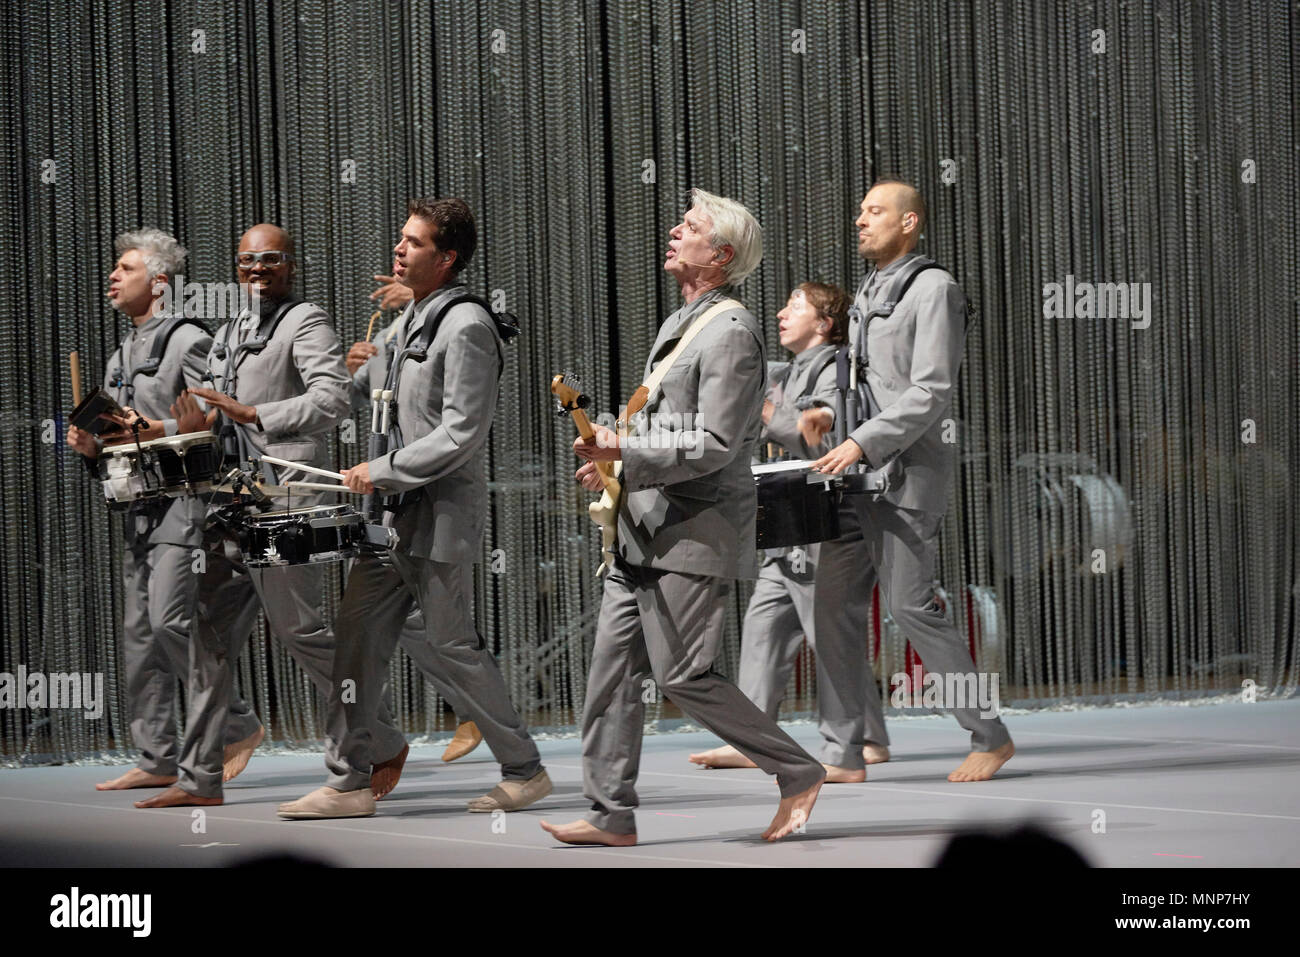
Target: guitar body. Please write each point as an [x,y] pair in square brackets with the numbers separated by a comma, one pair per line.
[604,513]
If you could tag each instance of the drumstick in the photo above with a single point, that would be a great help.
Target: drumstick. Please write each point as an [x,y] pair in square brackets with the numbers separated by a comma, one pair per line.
[303,468]
[322,485]
[74,359]
[371,328]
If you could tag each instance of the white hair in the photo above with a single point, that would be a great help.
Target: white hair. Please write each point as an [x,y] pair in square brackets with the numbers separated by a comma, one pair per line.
[161,252]
[734,226]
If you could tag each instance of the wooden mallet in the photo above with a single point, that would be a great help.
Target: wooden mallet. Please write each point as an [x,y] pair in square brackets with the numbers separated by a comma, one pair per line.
[74,360]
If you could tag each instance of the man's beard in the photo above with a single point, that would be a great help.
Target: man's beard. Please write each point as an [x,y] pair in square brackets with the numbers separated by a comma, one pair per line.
[261,300]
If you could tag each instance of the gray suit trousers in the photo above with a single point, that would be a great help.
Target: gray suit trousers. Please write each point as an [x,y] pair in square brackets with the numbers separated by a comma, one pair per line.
[779,616]
[229,596]
[898,546]
[669,626]
[376,605]
[161,589]
[415,642]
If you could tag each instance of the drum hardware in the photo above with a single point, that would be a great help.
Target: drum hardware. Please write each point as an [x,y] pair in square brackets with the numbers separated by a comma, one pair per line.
[230,516]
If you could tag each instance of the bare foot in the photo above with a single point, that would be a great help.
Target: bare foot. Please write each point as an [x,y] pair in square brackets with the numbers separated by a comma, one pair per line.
[385,775]
[584,832]
[723,757]
[875,753]
[982,765]
[465,740]
[235,757]
[792,812]
[175,797]
[838,775]
[135,778]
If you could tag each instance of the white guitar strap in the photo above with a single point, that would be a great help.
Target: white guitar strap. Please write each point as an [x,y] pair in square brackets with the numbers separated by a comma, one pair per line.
[694,329]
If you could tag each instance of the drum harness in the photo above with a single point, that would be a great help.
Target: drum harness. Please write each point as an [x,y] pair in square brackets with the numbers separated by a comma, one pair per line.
[385,433]
[855,395]
[123,379]
[235,445]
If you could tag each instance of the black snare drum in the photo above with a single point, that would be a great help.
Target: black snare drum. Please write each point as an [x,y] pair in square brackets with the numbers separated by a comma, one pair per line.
[795,506]
[308,535]
[301,536]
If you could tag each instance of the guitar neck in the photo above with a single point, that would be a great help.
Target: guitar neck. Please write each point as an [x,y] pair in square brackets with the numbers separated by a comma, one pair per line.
[583,423]
[606,469]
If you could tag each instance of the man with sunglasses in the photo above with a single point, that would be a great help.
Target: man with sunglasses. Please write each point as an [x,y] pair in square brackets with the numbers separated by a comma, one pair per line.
[278,387]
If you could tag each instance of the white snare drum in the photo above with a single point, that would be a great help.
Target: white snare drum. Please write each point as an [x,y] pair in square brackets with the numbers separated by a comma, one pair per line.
[171,466]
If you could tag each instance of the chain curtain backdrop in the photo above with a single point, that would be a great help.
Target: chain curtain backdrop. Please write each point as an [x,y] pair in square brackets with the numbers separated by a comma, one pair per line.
[1124,523]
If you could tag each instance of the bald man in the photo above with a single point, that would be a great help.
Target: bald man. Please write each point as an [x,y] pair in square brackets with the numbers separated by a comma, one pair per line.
[908,333]
[279,386]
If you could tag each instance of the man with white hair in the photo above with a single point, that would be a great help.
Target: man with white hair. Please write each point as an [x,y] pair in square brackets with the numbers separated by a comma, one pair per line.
[685,530]
[160,356]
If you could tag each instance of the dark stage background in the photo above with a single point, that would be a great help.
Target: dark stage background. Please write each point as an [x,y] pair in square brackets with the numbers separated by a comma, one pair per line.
[1124,525]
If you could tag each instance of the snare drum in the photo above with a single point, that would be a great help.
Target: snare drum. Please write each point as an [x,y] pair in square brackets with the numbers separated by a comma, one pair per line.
[171,466]
[796,506]
[302,536]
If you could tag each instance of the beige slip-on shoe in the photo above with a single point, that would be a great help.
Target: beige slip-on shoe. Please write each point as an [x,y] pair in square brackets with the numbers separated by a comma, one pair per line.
[467,738]
[327,802]
[514,795]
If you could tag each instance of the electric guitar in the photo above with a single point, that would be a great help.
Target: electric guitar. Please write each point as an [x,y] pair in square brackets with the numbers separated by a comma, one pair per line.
[568,393]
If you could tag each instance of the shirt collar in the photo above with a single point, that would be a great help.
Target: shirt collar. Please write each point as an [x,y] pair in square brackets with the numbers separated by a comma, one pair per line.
[895,266]
[689,311]
[808,355]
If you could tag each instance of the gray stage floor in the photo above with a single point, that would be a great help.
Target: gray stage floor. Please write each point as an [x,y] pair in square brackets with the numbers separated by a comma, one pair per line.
[1200,786]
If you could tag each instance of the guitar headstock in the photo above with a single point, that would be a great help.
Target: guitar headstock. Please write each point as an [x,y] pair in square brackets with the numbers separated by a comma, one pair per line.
[568,392]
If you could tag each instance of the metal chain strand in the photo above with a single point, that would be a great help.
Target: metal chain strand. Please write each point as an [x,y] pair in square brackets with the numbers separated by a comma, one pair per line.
[1124,524]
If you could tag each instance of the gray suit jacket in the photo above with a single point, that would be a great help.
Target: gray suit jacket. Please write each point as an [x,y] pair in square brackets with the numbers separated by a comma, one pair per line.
[689,504]
[371,375]
[172,521]
[298,384]
[787,383]
[445,406]
[913,357]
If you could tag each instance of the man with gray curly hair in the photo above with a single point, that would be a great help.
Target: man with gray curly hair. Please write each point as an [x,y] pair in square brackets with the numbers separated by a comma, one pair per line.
[160,586]
[686,521]
[162,254]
